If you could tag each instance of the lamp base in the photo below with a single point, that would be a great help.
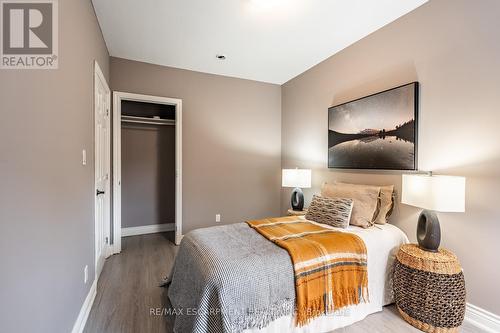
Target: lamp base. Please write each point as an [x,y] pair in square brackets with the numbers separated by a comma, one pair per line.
[428,231]
[297,199]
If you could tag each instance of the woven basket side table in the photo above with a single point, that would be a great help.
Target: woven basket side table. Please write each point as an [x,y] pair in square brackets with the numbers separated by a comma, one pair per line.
[429,289]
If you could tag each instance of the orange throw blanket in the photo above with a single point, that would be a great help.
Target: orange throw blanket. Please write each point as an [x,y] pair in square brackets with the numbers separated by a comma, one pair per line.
[330,266]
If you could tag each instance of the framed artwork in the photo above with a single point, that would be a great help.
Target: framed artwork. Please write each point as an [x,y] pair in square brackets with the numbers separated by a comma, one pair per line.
[375,132]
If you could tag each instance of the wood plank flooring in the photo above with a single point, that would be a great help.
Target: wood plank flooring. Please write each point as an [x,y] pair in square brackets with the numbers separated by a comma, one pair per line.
[128,287]
[128,290]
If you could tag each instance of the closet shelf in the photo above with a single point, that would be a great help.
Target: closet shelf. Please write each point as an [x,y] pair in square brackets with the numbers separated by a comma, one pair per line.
[146,120]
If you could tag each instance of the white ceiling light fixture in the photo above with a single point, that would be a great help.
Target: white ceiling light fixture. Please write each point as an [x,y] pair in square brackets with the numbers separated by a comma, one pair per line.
[266,4]
[273,13]
[272,44]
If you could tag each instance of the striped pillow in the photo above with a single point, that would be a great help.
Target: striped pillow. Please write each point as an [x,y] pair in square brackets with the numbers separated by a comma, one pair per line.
[332,211]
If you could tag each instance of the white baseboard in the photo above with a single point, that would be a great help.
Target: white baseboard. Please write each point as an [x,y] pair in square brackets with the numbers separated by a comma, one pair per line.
[482,319]
[147,229]
[179,240]
[85,310]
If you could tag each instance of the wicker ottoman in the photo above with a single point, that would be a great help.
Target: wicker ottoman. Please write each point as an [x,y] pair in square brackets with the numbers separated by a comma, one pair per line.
[429,289]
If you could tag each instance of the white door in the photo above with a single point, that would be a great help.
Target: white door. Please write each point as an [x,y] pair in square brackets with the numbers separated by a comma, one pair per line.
[102,168]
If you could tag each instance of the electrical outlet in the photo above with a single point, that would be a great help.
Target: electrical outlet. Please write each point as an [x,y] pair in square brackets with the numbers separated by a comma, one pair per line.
[217,217]
[86,274]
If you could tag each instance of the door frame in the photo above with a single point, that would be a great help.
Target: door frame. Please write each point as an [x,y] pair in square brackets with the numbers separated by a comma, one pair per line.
[98,75]
[118,97]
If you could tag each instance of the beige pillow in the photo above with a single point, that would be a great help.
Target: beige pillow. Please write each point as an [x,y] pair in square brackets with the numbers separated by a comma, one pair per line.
[386,204]
[365,199]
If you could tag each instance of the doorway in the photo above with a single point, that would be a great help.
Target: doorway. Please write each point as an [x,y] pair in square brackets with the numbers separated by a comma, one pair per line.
[155,113]
[102,168]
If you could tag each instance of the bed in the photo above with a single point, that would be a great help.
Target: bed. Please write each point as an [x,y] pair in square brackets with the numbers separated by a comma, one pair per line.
[231,279]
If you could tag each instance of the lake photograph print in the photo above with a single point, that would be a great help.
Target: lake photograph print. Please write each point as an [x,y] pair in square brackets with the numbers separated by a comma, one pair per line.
[375,132]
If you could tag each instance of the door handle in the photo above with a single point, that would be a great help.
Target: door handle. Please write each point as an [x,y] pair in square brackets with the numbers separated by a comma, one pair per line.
[99,192]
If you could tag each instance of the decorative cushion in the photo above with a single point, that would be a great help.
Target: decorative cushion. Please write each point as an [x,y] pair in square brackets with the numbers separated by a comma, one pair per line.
[332,211]
[365,201]
[386,204]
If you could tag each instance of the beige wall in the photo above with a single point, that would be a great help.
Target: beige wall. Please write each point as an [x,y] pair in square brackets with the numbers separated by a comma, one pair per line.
[231,139]
[46,195]
[451,47]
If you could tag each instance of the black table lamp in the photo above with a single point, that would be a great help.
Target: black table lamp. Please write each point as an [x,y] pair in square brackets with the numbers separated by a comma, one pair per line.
[434,194]
[298,179]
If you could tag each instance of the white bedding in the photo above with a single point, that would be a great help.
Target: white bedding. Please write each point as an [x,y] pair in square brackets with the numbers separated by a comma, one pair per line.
[382,243]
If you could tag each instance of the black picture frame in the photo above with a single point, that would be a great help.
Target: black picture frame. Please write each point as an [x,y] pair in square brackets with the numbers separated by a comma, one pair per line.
[414,166]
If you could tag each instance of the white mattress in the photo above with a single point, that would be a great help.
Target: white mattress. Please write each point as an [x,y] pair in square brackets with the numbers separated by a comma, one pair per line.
[382,243]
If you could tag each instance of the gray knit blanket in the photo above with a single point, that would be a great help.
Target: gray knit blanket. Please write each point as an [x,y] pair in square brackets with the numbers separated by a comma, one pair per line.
[230,278]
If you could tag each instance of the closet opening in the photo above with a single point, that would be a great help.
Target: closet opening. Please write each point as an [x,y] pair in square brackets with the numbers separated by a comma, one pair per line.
[147,166]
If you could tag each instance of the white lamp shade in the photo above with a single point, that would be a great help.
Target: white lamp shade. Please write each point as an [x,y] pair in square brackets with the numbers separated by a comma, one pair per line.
[296,178]
[438,193]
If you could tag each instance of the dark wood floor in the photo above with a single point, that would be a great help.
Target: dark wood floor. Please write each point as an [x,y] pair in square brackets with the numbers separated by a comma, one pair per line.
[128,290]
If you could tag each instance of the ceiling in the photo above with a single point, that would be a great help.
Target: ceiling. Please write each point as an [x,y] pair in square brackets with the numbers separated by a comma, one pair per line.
[264,40]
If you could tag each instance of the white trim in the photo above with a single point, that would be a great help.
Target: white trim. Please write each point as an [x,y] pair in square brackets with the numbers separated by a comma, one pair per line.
[178,170]
[117,99]
[85,309]
[147,229]
[178,241]
[117,171]
[117,174]
[482,319]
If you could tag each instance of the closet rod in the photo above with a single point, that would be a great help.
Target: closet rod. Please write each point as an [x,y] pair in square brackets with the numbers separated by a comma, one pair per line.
[145,120]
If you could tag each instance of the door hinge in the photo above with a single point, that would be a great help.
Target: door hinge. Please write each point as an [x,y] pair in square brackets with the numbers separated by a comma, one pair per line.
[107,112]
[107,240]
